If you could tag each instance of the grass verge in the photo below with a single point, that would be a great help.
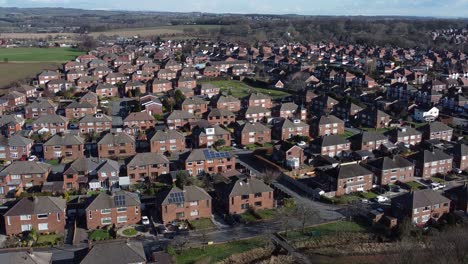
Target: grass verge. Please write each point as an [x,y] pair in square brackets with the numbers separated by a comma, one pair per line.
[203,223]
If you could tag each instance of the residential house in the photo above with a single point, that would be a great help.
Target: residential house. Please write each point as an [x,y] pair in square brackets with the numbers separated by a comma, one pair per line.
[45,214]
[425,114]
[429,163]
[10,124]
[237,196]
[167,141]
[52,124]
[117,252]
[201,161]
[161,86]
[349,178]
[323,104]
[436,130]
[327,125]
[23,174]
[116,145]
[65,146]
[195,105]
[209,90]
[405,135]
[286,129]
[151,105]
[190,203]
[139,121]
[227,102]
[178,119]
[389,171]
[207,136]
[373,117]
[220,116]
[252,133]
[346,110]
[257,113]
[97,123]
[292,156]
[106,90]
[46,76]
[460,156]
[368,141]
[331,146]
[39,108]
[147,165]
[91,173]
[119,208]
[79,109]
[420,206]
[258,100]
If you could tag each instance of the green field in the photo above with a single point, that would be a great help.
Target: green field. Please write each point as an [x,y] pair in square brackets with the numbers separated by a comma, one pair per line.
[38,54]
[240,89]
[10,72]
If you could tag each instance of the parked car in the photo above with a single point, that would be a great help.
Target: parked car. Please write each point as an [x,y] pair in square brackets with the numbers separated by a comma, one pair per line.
[435,186]
[457,170]
[145,220]
[32,158]
[382,199]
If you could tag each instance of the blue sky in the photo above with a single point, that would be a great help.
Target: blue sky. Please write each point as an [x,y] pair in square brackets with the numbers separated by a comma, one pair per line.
[438,8]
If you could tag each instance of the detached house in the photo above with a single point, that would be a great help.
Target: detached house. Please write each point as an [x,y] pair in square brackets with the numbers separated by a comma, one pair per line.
[388,171]
[350,178]
[147,165]
[430,163]
[420,206]
[239,195]
[436,130]
[189,203]
[201,161]
[119,208]
[116,145]
[45,214]
[68,146]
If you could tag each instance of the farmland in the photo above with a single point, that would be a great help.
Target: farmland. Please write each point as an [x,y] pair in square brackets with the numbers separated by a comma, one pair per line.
[10,72]
[38,54]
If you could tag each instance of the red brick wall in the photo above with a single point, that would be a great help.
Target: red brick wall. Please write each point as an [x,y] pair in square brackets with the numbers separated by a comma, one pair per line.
[235,203]
[118,151]
[13,225]
[75,152]
[133,214]
[169,212]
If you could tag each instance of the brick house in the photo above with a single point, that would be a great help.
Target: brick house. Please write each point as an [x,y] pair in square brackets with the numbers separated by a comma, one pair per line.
[116,145]
[436,130]
[139,121]
[151,104]
[420,206]
[79,110]
[373,117]
[286,110]
[39,108]
[209,90]
[350,178]
[221,117]
[16,147]
[178,119]
[166,74]
[331,146]
[167,141]
[90,98]
[161,86]
[50,123]
[406,135]
[388,171]
[368,141]
[189,203]
[227,102]
[257,113]
[286,129]
[106,90]
[186,83]
[239,195]
[46,76]
[258,100]
[323,104]
[115,77]
[430,163]
[45,214]
[460,156]
[119,208]
[201,161]
[65,146]
[10,124]
[14,99]
[459,197]
[251,133]
[91,173]
[116,251]
[207,136]
[195,105]
[346,110]
[97,123]
[290,155]
[189,72]
[147,165]
[327,125]
[23,175]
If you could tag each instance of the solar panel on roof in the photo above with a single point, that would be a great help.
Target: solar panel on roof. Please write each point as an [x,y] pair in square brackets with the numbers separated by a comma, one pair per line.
[119,200]
[215,155]
[176,197]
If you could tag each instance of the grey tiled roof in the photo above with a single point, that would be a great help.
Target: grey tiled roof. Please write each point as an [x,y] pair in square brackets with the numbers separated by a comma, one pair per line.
[95,118]
[257,110]
[80,105]
[258,96]
[66,139]
[116,252]
[331,140]
[116,138]
[220,112]
[47,119]
[435,127]
[92,166]
[421,198]
[226,99]
[179,114]
[164,135]
[25,167]
[38,205]
[139,116]
[17,140]
[386,163]
[331,119]
[190,193]
[106,201]
[428,156]
[143,159]
[349,171]
[24,257]
[288,107]
[244,187]
[254,127]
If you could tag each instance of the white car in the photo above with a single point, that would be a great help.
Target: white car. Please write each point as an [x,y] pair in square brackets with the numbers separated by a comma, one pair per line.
[32,158]
[382,199]
[301,144]
[145,220]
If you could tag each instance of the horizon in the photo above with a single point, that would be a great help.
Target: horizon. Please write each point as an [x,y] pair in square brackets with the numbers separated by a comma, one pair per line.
[397,8]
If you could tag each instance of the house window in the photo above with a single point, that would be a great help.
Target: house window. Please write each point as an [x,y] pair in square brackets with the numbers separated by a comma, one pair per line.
[90,215]
[244,197]
[415,210]
[232,200]
[245,206]
[42,216]
[258,195]
[43,226]
[106,220]
[58,217]
[194,213]
[194,203]
[180,205]
[25,217]
[8,220]
[122,219]
[180,215]
[105,211]
[425,218]
[26,228]
[258,204]
[121,209]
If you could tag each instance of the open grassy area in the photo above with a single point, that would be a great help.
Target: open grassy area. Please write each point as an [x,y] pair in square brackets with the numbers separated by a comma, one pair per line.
[215,253]
[240,89]
[53,162]
[248,217]
[48,240]
[373,129]
[325,229]
[11,72]
[99,234]
[203,223]
[439,180]
[368,195]
[347,134]
[183,30]
[266,213]
[414,185]
[39,54]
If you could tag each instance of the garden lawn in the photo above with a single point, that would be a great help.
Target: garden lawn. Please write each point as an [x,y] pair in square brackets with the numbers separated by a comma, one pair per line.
[203,223]
[99,234]
[248,217]
[266,213]
[38,54]
[48,240]
[215,253]
[129,232]
[414,185]
[438,180]
[368,195]
[240,89]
